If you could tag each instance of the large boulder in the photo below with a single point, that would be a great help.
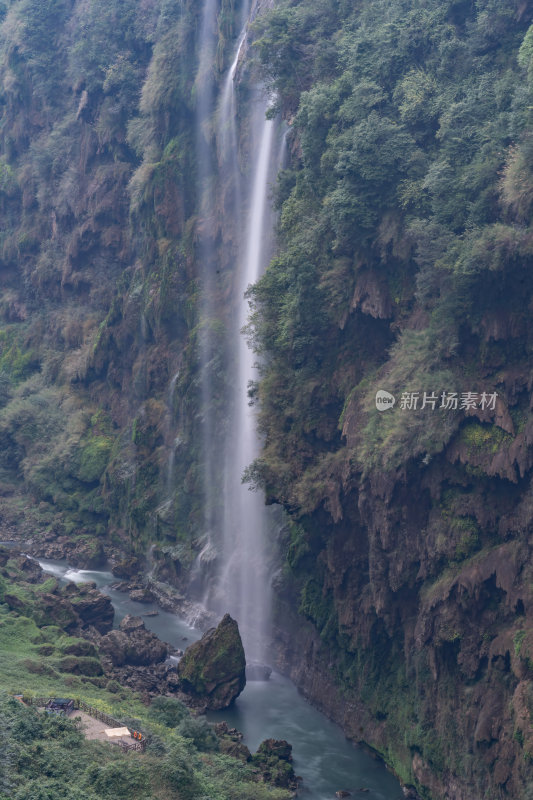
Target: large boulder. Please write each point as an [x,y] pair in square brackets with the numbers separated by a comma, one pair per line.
[213,670]
[93,607]
[133,644]
[143,595]
[127,568]
[30,568]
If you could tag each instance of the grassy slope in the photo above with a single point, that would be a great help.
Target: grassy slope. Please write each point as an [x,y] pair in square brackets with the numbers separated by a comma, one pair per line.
[46,759]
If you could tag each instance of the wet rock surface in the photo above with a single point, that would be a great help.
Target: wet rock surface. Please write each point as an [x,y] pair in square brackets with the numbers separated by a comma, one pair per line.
[168,598]
[83,553]
[133,644]
[212,670]
[143,595]
[274,760]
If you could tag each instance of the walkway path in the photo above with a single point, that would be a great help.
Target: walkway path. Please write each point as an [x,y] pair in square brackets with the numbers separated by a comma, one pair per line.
[94,729]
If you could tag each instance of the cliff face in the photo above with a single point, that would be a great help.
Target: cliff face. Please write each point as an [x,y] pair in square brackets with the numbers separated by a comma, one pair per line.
[99,266]
[435,674]
[405,267]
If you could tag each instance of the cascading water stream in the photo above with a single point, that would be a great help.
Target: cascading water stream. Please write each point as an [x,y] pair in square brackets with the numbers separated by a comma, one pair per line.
[227,116]
[244,577]
[204,89]
[242,583]
[169,438]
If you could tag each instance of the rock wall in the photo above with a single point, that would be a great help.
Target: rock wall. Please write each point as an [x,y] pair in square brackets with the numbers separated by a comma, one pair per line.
[404,265]
[100,427]
[442,663]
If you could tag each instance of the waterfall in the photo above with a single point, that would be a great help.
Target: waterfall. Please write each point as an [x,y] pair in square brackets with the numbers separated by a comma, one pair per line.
[243,580]
[245,574]
[169,437]
[233,567]
[204,90]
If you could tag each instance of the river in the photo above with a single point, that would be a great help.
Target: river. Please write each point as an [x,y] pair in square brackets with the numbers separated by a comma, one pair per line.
[323,757]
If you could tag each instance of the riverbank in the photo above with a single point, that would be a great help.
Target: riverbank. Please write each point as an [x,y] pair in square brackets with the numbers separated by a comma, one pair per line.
[41,656]
[326,760]
[160,617]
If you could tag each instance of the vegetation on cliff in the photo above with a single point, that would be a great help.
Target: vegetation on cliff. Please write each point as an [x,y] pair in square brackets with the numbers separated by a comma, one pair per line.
[98,270]
[404,264]
[410,171]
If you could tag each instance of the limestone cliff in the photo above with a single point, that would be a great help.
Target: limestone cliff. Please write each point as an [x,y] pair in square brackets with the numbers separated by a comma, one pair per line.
[404,267]
[99,271]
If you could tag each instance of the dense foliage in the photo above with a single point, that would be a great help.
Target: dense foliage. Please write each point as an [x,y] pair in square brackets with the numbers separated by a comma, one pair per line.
[99,267]
[403,229]
[404,264]
[45,757]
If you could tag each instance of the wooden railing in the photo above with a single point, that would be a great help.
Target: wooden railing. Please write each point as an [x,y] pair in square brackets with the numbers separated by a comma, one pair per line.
[126,746]
[111,722]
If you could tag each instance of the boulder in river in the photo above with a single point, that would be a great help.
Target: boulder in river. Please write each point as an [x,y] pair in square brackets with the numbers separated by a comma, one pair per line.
[141,595]
[274,761]
[93,607]
[212,671]
[126,568]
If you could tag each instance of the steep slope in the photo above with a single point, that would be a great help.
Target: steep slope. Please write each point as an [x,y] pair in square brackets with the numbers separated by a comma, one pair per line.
[405,266]
[101,275]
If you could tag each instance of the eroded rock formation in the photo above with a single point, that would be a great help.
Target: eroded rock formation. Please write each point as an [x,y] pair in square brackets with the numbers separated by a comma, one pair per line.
[212,671]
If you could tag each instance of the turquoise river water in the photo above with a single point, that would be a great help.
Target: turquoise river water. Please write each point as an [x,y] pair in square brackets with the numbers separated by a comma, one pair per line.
[323,757]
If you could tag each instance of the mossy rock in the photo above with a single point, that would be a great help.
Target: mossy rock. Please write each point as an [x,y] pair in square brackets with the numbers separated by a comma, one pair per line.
[213,669]
[46,650]
[79,647]
[274,761]
[93,458]
[83,665]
